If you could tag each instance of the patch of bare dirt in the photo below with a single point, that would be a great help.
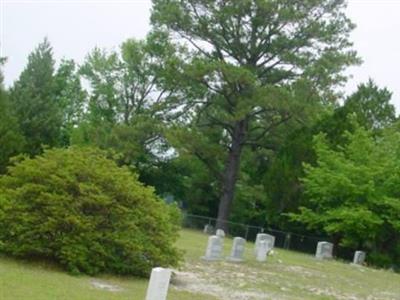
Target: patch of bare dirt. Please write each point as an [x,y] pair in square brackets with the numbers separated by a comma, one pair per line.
[204,279]
[101,285]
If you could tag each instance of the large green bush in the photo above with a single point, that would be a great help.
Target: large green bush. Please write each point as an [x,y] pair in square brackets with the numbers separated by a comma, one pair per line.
[78,208]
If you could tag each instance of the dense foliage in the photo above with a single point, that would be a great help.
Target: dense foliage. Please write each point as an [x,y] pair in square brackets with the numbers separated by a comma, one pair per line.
[11,140]
[76,207]
[34,101]
[216,108]
[353,193]
[258,64]
[126,103]
[369,105]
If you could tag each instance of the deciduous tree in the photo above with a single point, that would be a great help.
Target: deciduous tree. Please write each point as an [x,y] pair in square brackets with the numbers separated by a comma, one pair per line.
[353,195]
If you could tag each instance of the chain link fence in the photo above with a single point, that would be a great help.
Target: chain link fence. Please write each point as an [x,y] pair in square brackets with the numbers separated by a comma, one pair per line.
[283,239]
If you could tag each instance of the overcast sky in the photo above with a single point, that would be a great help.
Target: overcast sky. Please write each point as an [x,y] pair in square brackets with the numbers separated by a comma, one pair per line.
[76,27]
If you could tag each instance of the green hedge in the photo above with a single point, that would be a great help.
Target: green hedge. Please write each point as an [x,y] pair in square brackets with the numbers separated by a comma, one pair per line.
[78,208]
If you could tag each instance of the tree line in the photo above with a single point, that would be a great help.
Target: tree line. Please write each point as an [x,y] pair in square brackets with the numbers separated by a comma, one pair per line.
[233,109]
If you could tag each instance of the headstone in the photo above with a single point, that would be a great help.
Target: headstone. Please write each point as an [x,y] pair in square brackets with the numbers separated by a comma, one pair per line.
[269,239]
[214,248]
[208,229]
[158,285]
[262,251]
[324,250]
[220,233]
[359,257]
[237,249]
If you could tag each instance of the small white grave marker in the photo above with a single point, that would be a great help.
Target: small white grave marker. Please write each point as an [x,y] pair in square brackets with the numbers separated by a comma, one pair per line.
[359,257]
[262,251]
[324,250]
[237,249]
[158,284]
[270,240]
[208,229]
[220,233]
[214,248]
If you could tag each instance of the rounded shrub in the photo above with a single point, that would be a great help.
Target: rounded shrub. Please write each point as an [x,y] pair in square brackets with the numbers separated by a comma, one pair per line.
[78,208]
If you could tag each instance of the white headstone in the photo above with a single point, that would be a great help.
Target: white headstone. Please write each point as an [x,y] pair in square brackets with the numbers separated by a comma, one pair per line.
[220,233]
[158,285]
[237,249]
[324,250]
[214,248]
[262,251]
[269,239]
[359,257]
[208,229]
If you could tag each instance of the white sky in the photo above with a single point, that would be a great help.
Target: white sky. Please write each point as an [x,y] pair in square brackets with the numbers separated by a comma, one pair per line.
[75,27]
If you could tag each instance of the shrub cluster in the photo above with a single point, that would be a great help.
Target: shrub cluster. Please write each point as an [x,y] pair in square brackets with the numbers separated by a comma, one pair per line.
[77,207]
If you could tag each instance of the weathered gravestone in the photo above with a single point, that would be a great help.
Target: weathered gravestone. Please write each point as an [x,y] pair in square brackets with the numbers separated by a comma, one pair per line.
[262,251]
[220,233]
[359,257]
[158,285]
[237,249]
[324,250]
[214,248]
[208,229]
[269,239]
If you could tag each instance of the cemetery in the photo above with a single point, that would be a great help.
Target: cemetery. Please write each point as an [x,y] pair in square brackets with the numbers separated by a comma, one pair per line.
[283,275]
[199,150]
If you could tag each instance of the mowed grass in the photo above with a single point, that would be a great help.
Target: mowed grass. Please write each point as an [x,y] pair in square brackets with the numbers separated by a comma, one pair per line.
[285,275]
[42,281]
[34,281]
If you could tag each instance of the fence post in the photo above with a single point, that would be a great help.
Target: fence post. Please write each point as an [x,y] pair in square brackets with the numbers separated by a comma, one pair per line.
[247,232]
[287,241]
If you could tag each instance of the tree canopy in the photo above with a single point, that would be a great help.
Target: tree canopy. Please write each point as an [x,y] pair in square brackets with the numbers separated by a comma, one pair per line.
[217,108]
[259,63]
[353,192]
[33,99]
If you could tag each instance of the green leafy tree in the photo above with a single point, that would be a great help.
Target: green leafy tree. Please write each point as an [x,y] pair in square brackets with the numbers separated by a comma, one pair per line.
[129,84]
[353,195]
[11,140]
[281,177]
[35,103]
[101,70]
[127,100]
[77,207]
[371,107]
[255,65]
[71,98]
[201,158]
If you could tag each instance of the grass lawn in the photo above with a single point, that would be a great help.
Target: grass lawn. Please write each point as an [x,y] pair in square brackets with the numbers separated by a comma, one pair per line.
[285,275]
[34,281]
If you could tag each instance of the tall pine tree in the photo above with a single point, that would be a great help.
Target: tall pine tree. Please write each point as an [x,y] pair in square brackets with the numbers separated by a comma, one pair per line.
[260,62]
[35,103]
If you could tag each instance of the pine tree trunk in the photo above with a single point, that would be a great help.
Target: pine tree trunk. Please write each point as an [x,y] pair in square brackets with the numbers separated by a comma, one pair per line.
[230,175]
